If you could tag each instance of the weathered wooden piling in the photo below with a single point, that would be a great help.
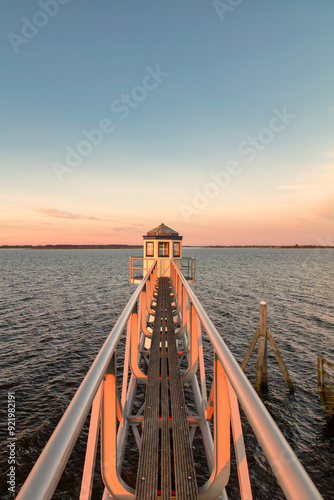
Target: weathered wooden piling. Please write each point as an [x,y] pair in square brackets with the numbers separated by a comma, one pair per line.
[262,334]
[326,385]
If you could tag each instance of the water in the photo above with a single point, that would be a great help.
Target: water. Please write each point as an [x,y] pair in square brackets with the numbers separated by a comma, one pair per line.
[57,307]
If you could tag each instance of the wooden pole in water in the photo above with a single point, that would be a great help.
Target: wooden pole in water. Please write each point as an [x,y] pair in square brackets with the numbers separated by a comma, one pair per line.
[261,375]
[280,361]
[263,333]
[250,349]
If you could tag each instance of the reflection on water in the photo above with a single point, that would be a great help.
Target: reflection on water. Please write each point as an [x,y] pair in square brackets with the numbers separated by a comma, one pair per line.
[57,307]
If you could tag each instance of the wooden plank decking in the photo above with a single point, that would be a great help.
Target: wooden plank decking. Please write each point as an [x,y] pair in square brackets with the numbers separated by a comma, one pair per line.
[164,404]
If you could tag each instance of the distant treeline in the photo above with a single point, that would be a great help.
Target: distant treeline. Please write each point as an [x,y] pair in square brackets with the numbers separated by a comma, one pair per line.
[267,246]
[71,247]
[96,247]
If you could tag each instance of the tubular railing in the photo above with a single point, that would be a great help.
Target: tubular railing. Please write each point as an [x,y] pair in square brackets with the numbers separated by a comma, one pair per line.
[291,476]
[112,407]
[44,477]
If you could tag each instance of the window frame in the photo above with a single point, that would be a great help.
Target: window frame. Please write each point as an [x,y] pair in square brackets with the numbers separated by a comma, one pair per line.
[165,245]
[146,249]
[177,244]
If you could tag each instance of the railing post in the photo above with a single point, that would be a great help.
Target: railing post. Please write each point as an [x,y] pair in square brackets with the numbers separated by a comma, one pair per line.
[221,467]
[179,295]
[148,296]
[193,345]
[239,446]
[92,441]
[155,273]
[152,285]
[112,481]
[133,327]
[184,308]
[126,367]
[143,309]
[130,270]
[194,325]
[221,420]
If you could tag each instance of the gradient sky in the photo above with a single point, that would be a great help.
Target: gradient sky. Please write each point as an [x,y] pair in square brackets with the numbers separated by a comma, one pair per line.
[217,120]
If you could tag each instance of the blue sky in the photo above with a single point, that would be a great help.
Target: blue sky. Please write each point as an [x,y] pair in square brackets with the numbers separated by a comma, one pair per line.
[222,80]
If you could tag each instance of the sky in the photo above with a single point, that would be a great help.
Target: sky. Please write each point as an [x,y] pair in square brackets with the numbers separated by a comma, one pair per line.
[214,117]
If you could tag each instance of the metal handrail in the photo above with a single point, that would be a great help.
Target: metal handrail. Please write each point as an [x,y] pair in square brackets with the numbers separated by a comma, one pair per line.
[291,475]
[43,478]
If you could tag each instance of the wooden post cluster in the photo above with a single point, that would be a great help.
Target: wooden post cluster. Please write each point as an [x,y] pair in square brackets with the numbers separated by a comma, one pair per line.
[262,334]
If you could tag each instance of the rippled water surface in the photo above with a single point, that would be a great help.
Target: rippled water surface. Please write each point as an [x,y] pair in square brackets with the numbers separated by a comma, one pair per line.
[58,306]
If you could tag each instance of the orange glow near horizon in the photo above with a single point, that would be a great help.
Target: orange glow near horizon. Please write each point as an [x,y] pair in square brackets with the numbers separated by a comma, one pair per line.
[300,213]
[229,232]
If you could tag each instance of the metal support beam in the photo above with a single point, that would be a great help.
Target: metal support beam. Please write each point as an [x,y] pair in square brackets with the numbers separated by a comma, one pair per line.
[114,484]
[193,334]
[239,446]
[90,458]
[143,316]
[134,349]
[221,467]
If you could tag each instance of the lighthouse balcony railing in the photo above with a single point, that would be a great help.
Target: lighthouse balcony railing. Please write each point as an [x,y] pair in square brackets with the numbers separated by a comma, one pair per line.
[139,266]
[187,266]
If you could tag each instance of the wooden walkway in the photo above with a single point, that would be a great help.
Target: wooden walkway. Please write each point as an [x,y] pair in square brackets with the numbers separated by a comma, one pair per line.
[166,465]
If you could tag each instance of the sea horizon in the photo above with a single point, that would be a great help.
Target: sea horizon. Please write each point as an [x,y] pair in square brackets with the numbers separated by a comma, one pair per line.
[121,246]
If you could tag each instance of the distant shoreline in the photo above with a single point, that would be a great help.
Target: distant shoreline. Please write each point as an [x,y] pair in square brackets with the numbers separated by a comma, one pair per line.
[267,246]
[70,247]
[138,247]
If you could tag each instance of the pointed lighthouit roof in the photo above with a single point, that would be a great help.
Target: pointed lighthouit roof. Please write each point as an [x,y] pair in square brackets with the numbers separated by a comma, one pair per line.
[163,232]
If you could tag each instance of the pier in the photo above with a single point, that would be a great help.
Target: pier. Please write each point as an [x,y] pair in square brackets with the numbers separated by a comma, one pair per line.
[151,378]
[165,391]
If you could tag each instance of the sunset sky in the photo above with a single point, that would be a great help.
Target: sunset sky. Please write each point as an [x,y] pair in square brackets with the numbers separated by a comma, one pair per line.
[217,120]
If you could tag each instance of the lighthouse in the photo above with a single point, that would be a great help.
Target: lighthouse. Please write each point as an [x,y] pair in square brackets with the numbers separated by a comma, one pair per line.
[164,245]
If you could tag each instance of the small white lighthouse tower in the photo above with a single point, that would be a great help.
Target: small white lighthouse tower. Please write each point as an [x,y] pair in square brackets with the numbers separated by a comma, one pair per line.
[164,245]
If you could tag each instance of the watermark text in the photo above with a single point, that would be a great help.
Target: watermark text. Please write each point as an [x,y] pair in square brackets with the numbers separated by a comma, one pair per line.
[122,107]
[31,27]
[11,446]
[248,149]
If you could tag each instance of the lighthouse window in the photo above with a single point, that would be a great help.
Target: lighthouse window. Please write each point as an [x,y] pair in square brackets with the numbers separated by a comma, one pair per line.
[163,249]
[176,249]
[149,249]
